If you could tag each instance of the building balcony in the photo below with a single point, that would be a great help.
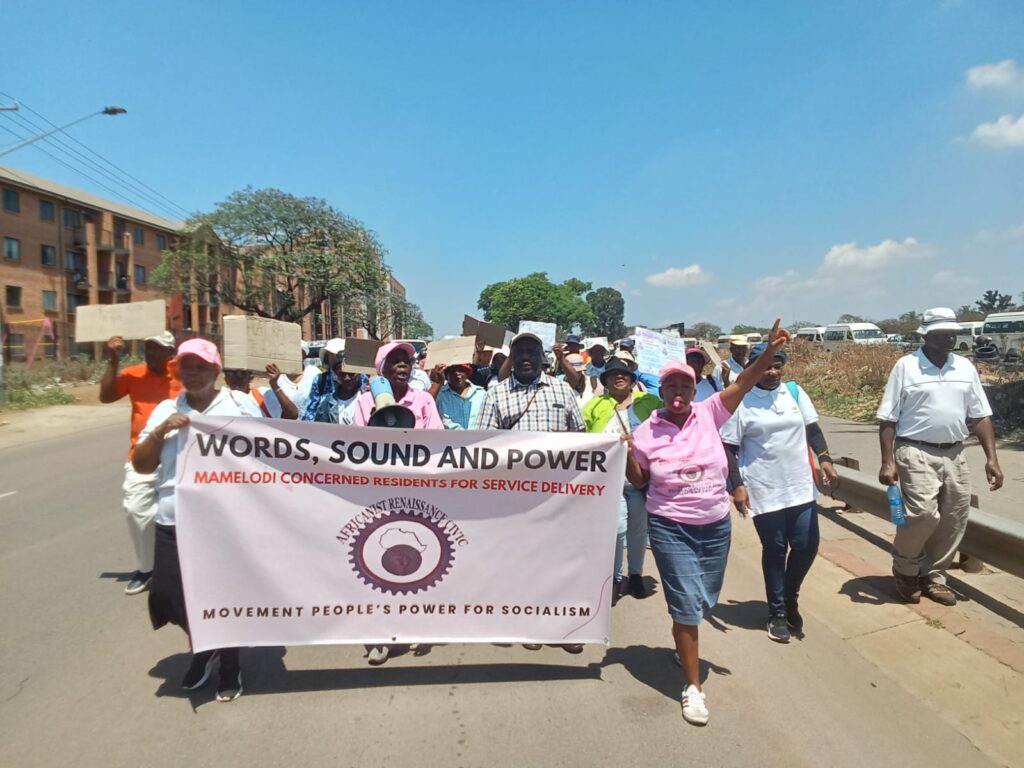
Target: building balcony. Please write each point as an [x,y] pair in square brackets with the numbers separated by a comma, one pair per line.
[105,281]
[105,240]
[78,281]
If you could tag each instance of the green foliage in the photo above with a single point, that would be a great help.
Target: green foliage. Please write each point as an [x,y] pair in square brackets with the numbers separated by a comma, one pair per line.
[745,329]
[798,324]
[905,324]
[276,255]
[704,330]
[608,308]
[851,319]
[968,313]
[535,297]
[994,301]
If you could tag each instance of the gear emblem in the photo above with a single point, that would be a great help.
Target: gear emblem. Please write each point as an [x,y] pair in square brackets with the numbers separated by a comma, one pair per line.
[401,553]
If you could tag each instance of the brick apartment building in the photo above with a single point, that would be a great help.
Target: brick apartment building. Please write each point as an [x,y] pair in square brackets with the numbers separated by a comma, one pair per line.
[63,248]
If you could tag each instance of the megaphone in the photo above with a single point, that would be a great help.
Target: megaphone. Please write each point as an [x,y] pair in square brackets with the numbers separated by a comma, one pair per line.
[386,412]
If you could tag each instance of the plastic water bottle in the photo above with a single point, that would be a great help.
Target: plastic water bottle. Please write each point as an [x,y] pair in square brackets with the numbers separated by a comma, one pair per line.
[896,513]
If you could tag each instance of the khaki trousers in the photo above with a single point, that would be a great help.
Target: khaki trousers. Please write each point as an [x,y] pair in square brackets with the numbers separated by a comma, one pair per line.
[139,512]
[936,496]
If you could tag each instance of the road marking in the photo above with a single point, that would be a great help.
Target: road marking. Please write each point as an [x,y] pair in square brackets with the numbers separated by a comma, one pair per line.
[5,495]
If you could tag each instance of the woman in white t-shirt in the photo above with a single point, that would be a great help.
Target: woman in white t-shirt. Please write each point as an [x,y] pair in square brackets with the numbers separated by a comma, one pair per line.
[198,365]
[775,431]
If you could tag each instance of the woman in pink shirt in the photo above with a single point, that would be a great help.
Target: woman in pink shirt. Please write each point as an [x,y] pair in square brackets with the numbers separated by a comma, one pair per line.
[678,453]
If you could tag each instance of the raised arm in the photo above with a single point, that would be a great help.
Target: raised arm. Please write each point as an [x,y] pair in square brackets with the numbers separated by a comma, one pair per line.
[108,384]
[733,394]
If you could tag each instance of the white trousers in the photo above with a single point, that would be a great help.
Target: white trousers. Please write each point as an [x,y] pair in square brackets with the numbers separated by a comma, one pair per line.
[139,512]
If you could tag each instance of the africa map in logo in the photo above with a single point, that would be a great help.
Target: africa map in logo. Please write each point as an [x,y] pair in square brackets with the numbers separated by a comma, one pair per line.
[402,550]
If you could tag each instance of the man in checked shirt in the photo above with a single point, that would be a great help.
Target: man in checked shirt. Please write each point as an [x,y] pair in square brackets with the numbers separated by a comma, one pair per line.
[532,401]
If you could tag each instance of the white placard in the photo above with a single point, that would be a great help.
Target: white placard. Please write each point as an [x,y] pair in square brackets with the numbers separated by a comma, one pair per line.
[135,320]
[251,342]
[546,332]
[654,349]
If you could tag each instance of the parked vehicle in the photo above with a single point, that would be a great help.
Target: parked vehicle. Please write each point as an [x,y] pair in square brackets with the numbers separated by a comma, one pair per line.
[812,333]
[754,338]
[838,335]
[968,335]
[419,345]
[1006,330]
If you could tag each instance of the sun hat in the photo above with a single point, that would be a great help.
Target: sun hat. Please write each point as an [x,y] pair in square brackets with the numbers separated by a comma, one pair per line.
[524,335]
[575,360]
[627,343]
[624,356]
[613,366]
[464,366]
[938,319]
[334,346]
[165,339]
[387,349]
[698,351]
[676,366]
[761,348]
[739,341]
[572,338]
[204,349]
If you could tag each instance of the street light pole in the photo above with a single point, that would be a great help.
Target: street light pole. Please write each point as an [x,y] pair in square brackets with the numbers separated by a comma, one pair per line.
[26,142]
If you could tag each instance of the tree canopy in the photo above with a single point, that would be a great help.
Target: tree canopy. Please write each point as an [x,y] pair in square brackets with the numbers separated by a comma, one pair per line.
[535,297]
[608,308]
[994,301]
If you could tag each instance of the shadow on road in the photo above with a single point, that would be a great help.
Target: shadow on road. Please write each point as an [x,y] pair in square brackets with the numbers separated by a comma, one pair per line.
[750,614]
[265,672]
[871,590]
[656,668]
[117,575]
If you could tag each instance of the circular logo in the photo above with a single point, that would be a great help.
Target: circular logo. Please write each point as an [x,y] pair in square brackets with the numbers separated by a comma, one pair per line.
[401,553]
[691,474]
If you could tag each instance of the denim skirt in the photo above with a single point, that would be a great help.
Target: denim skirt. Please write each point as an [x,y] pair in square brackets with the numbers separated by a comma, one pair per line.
[691,562]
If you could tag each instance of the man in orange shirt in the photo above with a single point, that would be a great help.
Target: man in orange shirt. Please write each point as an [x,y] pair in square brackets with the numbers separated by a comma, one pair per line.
[147,385]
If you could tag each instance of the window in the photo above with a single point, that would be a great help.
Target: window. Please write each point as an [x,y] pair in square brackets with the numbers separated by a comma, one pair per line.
[835,335]
[12,201]
[12,249]
[72,218]
[13,296]
[871,333]
[75,301]
[140,274]
[46,210]
[161,242]
[48,256]
[72,260]
[137,236]
[49,301]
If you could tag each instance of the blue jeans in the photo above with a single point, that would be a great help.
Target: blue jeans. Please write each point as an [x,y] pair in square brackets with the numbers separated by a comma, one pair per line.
[794,531]
[632,534]
[691,562]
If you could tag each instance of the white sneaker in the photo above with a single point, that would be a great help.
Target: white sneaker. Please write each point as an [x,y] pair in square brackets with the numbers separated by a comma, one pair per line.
[695,711]
[378,655]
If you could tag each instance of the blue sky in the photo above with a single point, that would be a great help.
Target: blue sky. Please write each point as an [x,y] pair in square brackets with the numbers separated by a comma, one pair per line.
[720,162]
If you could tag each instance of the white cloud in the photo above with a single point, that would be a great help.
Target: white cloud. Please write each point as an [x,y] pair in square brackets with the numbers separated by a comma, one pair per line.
[1007,131]
[620,286]
[849,257]
[679,277]
[771,282]
[1001,75]
[949,278]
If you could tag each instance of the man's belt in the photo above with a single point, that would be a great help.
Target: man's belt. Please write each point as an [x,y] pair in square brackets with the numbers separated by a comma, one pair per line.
[926,444]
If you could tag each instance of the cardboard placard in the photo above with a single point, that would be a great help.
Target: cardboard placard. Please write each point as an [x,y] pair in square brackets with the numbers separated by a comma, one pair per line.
[708,347]
[251,343]
[546,332]
[457,351]
[489,334]
[135,320]
[361,355]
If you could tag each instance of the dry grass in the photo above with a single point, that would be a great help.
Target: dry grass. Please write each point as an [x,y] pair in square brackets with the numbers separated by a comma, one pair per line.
[847,383]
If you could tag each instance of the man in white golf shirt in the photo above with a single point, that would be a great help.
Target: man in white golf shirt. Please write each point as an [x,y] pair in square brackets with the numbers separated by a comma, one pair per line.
[923,417]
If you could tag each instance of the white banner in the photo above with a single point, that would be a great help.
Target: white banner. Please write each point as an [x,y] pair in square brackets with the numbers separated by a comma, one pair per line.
[294,533]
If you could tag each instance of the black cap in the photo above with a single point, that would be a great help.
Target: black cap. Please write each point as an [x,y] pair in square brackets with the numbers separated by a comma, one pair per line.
[614,365]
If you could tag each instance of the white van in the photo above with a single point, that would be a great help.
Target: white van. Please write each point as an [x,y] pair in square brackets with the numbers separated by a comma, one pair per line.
[723,341]
[812,333]
[838,335]
[967,334]
[1006,329]
[754,338]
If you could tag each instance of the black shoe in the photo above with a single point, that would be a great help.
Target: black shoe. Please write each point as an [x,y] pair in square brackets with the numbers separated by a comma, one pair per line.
[138,583]
[636,586]
[230,686]
[199,670]
[907,587]
[778,630]
[793,617]
[616,591]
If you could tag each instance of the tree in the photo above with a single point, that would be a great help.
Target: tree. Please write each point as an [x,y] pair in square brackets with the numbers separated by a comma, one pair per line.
[704,330]
[851,319]
[905,324]
[748,329]
[994,301]
[608,308]
[969,313]
[535,297]
[797,325]
[273,254]
[416,327]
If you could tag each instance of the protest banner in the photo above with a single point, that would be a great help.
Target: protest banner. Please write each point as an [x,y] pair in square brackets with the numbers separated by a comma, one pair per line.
[361,355]
[591,341]
[488,334]
[546,332]
[296,533]
[251,343]
[654,349]
[447,352]
[134,320]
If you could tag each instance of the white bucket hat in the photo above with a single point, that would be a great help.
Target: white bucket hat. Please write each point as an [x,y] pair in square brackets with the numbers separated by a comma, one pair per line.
[938,319]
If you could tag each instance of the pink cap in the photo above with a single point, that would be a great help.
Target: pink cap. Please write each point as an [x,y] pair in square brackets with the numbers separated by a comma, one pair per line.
[387,349]
[204,349]
[677,366]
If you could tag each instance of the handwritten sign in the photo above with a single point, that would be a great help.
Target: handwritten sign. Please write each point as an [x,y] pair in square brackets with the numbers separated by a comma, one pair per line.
[251,343]
[361,355]
[546,332]
[447,352]
[135,320]
[489,334]
[654,349]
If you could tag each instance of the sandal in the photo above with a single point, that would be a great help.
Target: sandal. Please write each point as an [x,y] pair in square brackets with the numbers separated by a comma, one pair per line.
[940,593]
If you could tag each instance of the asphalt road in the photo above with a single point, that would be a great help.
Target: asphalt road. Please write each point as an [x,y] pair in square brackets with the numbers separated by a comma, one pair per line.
[84,681]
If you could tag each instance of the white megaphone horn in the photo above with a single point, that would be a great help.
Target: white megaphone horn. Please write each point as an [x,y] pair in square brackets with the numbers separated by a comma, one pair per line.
[386,412]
